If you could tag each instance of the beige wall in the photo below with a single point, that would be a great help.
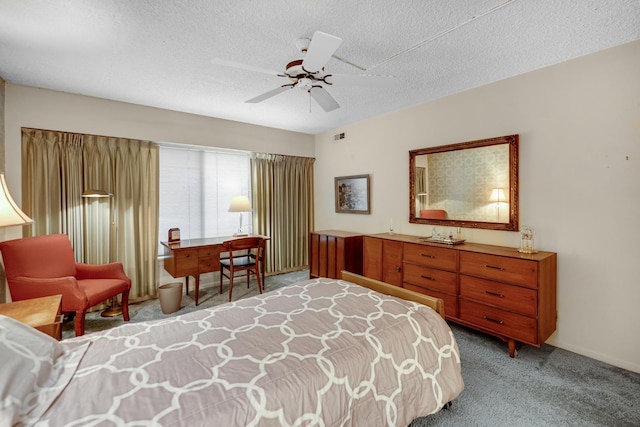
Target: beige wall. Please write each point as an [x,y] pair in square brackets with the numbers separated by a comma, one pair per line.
[579,126]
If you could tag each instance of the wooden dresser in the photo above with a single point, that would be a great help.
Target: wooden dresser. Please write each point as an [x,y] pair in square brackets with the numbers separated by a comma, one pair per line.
[332,251]
[493,289]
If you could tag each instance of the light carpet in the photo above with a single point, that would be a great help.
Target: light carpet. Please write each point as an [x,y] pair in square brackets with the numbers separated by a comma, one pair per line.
[544,386]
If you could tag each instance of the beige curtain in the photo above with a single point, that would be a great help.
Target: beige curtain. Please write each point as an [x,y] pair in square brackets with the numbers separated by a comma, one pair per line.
[282,193]
[59,166]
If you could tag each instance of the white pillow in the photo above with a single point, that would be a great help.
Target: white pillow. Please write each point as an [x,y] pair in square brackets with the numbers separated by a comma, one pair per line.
[34,369]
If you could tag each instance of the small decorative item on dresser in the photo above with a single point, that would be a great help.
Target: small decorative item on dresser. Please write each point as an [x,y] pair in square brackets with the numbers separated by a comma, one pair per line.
[174,235]
[527,243]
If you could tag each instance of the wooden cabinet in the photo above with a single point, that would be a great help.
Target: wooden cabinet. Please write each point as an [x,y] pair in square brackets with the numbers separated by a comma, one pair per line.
[332,251]
[494,289]
[383,260]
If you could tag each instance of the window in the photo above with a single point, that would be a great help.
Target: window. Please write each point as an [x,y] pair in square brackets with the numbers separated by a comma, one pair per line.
[196,187]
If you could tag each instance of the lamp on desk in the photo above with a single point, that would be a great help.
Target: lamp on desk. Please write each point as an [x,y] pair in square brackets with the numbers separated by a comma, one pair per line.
[240,204]
[10,213]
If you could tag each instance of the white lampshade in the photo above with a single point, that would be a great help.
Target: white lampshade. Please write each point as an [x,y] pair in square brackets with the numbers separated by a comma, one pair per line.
[10,213]
[240,204]
[497,195]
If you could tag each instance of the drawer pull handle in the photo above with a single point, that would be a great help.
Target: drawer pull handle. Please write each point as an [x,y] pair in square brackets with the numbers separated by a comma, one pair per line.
[428,256]
[495,294]
[494,267]
[187,255]
[499,322]
[398,269]
[427,277]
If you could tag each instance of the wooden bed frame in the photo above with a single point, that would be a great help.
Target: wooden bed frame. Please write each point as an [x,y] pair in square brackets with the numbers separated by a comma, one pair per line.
[435,303]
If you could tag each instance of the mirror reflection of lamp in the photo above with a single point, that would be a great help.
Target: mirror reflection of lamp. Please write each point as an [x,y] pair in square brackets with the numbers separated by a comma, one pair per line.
[240,204]
[498,196]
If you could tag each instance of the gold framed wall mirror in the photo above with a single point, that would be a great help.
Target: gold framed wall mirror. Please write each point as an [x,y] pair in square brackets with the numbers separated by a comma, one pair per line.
[471,184]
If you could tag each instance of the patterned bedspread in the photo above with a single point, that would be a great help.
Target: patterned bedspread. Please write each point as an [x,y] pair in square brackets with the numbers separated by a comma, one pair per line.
[322,352]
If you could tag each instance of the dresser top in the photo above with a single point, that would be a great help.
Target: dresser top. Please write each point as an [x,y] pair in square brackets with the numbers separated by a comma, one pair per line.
[467,247]
[338,233]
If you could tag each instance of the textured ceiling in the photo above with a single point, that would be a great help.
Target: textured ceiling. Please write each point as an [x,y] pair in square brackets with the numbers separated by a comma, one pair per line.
[165,53]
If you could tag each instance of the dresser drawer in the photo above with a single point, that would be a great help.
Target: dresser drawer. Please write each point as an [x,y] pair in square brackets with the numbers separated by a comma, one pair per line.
[503,323]
[431,256]
[430,278]
[208,265]
[450,301]
[185,262]
[208,252]
[511,298]
[504,269]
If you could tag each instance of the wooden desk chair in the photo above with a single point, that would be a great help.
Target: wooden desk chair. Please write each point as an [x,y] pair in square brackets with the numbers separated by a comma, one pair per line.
[245,255]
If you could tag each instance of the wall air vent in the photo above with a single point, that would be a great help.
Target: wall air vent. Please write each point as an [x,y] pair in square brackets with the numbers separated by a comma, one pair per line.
[338,136]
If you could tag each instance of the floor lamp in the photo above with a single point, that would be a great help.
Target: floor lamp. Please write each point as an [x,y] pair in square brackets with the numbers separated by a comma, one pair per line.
[115,308]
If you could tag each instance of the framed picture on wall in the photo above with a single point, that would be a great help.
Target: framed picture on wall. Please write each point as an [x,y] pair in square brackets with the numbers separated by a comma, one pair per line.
[352,194]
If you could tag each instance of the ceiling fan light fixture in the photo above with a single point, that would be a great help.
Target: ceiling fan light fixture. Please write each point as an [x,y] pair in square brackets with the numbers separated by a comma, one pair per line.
[304,83]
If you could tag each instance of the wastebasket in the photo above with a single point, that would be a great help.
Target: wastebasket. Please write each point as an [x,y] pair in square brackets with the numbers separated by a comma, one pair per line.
[170,297]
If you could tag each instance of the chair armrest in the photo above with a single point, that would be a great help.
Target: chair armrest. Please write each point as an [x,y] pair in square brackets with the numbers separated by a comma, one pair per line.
[73,298]
[113,270]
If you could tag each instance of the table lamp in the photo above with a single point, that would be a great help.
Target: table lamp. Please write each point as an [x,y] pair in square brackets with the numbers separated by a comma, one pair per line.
[240,204]
[10,213]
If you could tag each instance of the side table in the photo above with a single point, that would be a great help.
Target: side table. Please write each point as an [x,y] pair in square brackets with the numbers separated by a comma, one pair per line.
[43,313]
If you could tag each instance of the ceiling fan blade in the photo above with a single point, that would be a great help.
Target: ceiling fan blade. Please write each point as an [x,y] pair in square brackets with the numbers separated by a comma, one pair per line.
[361,80]
[233,64]
[269,94]
[320,50]
[323,98]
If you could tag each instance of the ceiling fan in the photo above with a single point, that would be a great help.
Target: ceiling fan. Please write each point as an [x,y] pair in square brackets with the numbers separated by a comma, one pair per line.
[308,74]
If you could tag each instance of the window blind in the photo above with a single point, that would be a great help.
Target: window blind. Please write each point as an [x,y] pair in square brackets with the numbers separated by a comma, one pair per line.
[196,187]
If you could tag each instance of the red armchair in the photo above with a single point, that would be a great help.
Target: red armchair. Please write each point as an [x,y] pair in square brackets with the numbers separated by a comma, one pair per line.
[44,265]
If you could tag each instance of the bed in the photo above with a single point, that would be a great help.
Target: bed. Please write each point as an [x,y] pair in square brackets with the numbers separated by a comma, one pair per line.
[321,352]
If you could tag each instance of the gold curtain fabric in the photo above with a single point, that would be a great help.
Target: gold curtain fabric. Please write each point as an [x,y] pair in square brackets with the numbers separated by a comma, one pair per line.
[59,166]
[282,197]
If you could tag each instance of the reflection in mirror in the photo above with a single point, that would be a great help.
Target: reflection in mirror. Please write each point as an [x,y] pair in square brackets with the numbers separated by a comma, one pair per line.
[472,184]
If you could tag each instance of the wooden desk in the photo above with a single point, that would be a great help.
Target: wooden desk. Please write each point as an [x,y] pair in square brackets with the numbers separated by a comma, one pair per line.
[194,257]
[41,313]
